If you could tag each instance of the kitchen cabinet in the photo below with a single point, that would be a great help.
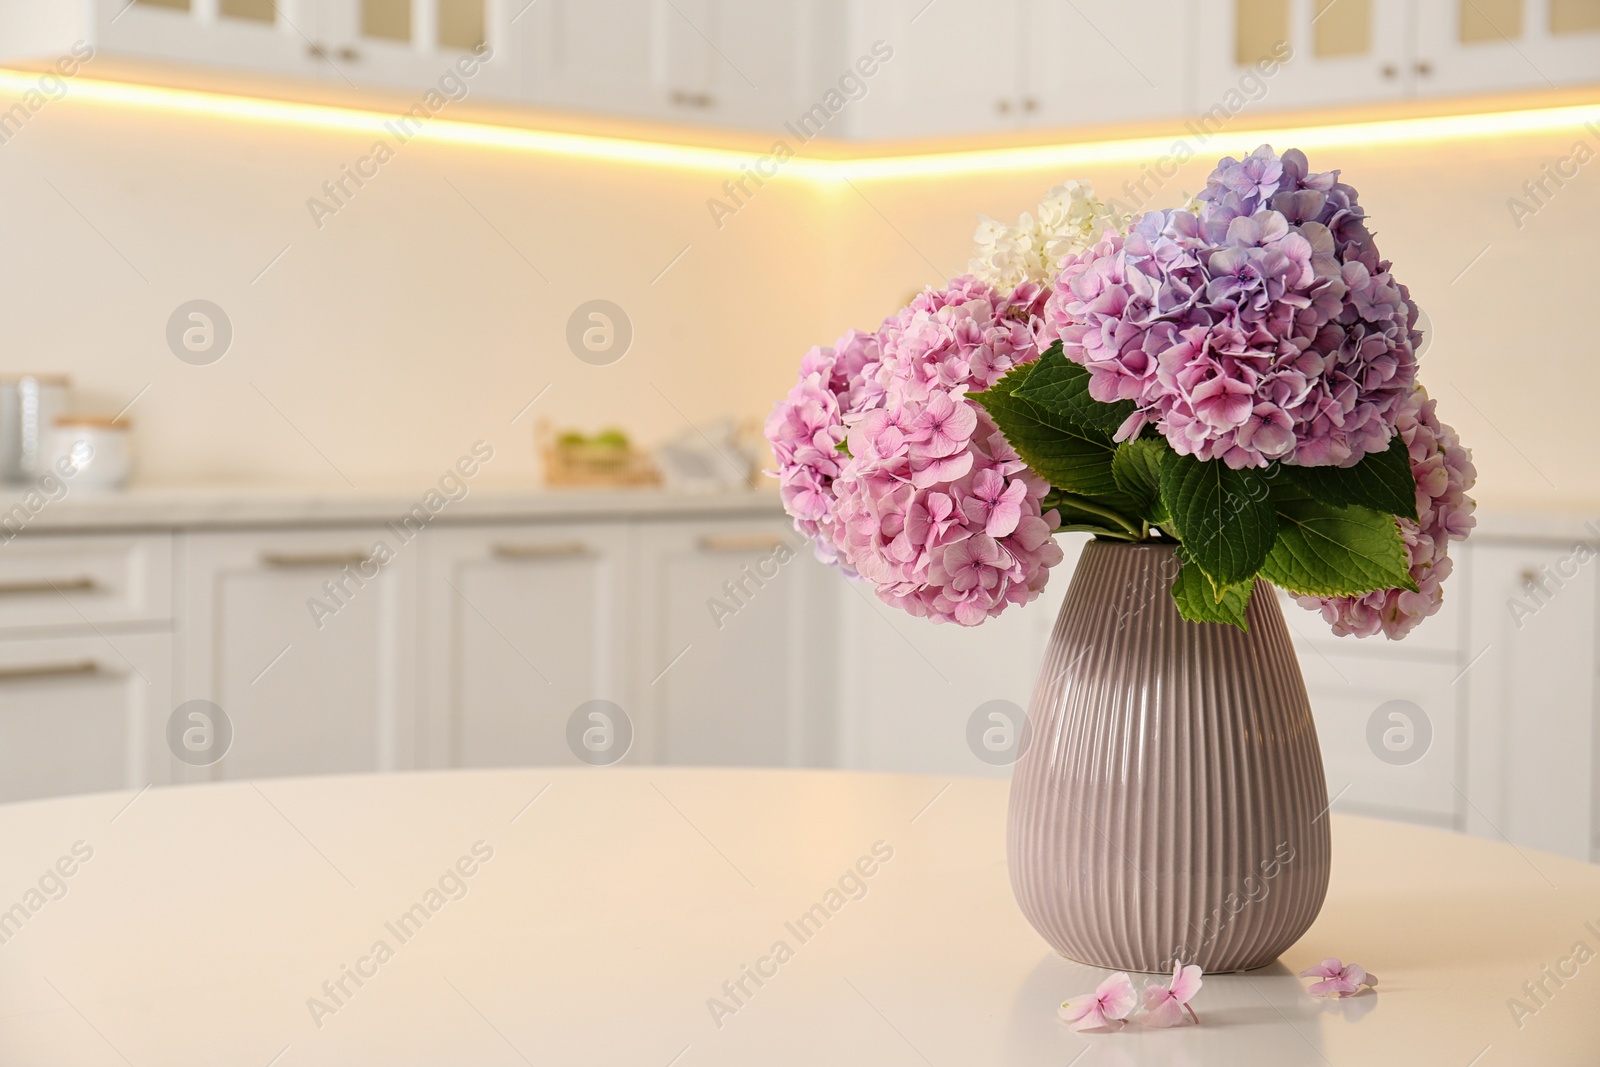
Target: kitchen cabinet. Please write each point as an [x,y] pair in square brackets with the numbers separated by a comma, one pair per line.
[83,714]
[392,44]
[522,624]
[958,67]
[78,582]
[1466,46]
[306,640]
[737,646]
[1530,768]
[702,61]
[1352,51]
[950,72]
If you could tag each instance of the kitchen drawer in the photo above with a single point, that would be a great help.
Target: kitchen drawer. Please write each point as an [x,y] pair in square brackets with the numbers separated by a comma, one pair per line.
[83,714]
[1388,731]
[81,582]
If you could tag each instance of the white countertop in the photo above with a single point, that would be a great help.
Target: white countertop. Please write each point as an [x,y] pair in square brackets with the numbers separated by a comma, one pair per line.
[184,507]
[616,903]
[216,506]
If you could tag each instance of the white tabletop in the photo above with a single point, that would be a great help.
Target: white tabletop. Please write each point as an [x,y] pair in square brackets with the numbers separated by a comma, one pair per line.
[617,903]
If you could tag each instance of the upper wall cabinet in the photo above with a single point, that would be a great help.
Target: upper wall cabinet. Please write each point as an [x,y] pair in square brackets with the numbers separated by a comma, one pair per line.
[392,44]
[1348,51]
[1466,46]
[720,62]
[860,69]
[963,66]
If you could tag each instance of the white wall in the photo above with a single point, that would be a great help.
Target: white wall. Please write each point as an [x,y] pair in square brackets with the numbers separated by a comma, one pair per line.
[408,326]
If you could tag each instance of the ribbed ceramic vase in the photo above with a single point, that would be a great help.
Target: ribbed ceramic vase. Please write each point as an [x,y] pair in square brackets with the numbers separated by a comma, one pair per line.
[1170,802]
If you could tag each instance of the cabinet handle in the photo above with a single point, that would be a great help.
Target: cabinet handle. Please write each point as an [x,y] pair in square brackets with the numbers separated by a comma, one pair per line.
[1003,106]
[316,51]
[49,670]
[1389,70]
[350,54]
[46,585]
[683,99]
[313,559]
[1030,103]
[741,542]
[557,550]
[1424,68]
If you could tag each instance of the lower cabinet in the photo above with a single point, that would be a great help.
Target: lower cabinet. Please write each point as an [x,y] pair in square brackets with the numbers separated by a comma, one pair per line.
[306,641]
[737,645]
[82,714]
[522,624]
[1530,768]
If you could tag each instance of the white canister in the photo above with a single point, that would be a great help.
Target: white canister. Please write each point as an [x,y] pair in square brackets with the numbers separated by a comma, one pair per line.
[29,407]
[92,452]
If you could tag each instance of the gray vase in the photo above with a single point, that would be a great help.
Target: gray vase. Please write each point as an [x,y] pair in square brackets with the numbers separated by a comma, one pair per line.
[1170,802]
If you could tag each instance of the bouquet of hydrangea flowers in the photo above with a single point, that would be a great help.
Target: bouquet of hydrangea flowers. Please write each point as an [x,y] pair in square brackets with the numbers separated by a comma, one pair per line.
[1236,376]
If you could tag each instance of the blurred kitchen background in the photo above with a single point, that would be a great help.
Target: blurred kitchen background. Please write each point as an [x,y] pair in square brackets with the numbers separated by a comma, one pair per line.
[507,287]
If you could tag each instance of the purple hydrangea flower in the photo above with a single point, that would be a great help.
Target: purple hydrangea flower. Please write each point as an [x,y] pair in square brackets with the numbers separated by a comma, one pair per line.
[1263,326]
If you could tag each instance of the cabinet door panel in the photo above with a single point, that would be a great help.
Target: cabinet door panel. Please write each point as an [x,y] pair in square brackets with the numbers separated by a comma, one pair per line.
[949,73]
[1345,52]
[265,37]
[1480,46]
[525,623]
[735,664]
[1405,766]
[83,714]
[1531,747]
[909,687]
[305,647]
[594,55]
[1099,61]
[75,581]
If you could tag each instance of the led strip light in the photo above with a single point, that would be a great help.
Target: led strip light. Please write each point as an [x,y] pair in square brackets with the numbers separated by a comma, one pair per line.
[620,150]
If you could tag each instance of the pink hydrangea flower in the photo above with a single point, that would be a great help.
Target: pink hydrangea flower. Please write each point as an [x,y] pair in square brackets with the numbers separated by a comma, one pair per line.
[1164,1006]
[926,500]
[1338,979]
[1261,327]
[1444,473]
[807,427]
[1105,1008]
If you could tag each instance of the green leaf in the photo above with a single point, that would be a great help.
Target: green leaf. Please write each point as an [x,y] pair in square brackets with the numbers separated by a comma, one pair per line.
[1057,384]
[1197,598]
[1068,456]
[1382,481]
[1136,466]
[1323,550]
[1224,517]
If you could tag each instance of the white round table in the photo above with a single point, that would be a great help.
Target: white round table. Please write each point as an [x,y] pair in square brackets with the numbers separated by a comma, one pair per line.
[668,917]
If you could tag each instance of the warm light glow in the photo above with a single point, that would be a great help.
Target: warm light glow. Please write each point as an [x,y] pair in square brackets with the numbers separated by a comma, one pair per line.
[1405,131]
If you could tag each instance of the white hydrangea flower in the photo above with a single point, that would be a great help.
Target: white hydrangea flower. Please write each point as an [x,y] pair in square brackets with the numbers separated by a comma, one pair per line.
[1069,219]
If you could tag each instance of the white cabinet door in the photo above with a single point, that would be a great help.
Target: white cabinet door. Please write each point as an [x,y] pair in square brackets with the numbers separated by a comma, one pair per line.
[523,623]
[1388,728]
[1100,61]
[1340,52]
[736,657]
[1483,45]
[83,714]
[1531,721]
[594,55]
[951,71]
[909,688]
[78,581]
[414,45]
[268,36]
[305,640]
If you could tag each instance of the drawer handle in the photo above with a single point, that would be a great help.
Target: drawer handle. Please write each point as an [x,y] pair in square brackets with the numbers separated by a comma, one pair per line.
[46,585]
[742,543]
[313,559]
[49,670]
[558,550]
